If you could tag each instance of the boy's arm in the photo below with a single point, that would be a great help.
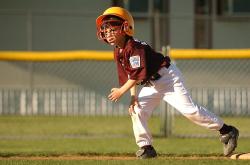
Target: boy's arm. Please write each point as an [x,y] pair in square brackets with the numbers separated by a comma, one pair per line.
[133,91]
[134,100]
[116,93]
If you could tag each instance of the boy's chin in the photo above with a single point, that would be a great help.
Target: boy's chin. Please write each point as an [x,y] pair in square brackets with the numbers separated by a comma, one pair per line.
[112,43]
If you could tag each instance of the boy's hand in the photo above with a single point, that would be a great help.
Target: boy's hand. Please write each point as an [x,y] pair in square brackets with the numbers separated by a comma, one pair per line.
[133,102]
[115,94]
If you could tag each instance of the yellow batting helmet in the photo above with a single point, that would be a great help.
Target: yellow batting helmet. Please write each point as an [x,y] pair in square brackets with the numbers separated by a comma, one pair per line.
[121,13]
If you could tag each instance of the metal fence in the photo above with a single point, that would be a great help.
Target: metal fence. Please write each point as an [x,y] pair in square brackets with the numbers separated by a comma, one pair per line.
[81,88]
[79,101]
[56,101]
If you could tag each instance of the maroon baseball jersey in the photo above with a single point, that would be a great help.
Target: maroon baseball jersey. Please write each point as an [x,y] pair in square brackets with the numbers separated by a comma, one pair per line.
[138,61]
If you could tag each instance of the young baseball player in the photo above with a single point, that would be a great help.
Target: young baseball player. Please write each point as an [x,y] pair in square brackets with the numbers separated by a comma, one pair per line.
[138,64]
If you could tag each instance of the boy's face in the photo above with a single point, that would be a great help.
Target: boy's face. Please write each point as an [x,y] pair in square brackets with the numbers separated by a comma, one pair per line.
[111,31]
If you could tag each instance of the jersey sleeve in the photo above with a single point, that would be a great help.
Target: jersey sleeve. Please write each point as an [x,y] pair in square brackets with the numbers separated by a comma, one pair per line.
[137,64]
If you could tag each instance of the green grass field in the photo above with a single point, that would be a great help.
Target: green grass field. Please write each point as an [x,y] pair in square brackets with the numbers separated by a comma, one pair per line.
[51,137]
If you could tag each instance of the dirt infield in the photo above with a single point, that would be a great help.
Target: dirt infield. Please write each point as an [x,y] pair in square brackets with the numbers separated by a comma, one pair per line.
[100,157]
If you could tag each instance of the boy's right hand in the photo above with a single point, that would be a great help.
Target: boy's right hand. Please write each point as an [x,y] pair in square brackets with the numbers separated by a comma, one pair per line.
[133,102]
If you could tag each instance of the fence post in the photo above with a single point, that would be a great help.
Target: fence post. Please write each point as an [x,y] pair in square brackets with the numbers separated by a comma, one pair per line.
[166,120]
[166,115]
[23,103]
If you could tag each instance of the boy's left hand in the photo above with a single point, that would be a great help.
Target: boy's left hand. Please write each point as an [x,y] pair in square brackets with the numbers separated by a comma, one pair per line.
[115,94]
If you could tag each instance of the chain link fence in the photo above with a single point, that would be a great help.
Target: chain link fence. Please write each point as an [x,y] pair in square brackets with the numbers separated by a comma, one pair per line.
[81,87]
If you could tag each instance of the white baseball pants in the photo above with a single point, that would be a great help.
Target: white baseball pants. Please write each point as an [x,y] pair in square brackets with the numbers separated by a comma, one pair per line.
[170,87]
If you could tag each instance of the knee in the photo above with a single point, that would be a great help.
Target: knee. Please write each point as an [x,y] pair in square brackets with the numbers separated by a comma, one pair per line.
[140,114]
[191,110]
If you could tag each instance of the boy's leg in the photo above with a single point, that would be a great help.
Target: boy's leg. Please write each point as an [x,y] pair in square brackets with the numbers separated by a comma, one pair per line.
[181,100]
[177,95]
[201,116]
[148,100]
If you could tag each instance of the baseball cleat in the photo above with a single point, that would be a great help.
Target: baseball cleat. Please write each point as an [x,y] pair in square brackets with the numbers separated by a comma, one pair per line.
[146,152]
[230,141]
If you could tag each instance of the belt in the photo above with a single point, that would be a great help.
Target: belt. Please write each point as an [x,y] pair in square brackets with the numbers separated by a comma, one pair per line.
[154,77]
[157,76]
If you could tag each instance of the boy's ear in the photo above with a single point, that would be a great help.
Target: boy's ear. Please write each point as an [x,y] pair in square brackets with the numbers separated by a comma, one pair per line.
[125,26]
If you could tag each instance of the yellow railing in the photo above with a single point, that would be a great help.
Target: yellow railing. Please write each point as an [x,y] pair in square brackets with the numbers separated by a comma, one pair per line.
[210,53]
[108,55]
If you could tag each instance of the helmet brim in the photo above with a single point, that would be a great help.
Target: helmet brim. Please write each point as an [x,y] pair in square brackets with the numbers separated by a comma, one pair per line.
[101,17]
[99,20]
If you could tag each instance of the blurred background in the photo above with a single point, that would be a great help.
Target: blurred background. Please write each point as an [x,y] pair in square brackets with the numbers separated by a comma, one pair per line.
[80,88]
[67,25]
